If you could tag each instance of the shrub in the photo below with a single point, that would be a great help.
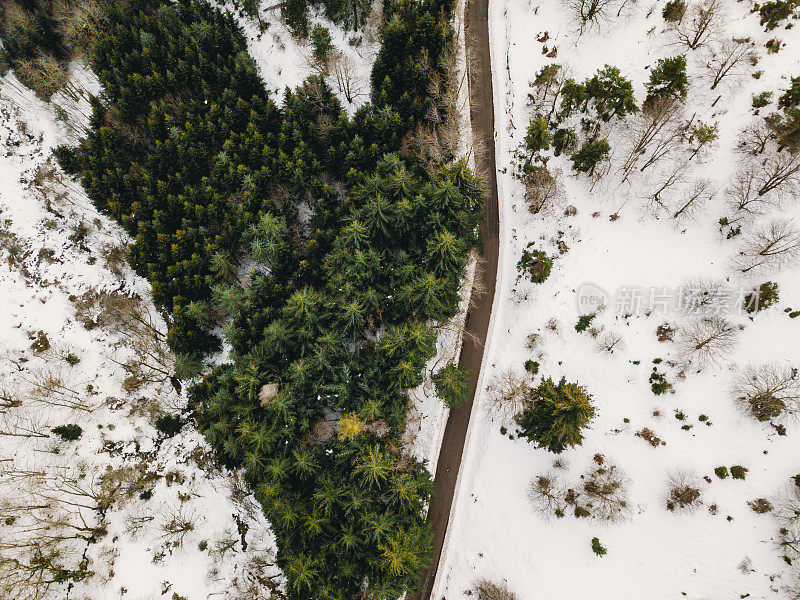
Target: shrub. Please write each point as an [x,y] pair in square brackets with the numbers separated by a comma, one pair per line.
[598,548]
[674,11]
[531,366]
[555,415]
[768,391]
[536,264]
[452,385]
[772,13]
[606,490]
[584,321]
[68,433]
[762,99]
[658,382]
[760,505]
[487,590]
[683,491]
[667,78]
[169,425]
[721,472]
[765,296]
[738,472]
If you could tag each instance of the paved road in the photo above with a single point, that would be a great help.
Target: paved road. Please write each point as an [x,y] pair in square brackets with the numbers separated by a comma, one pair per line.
[479,72]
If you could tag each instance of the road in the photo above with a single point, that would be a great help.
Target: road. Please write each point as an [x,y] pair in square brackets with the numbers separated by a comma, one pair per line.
[479,73]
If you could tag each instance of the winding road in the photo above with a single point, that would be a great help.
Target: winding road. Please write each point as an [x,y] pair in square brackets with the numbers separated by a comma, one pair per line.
[479,76]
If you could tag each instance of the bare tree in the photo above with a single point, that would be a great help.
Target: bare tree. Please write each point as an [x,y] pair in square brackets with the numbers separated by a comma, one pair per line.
[348,81]
[768,391]
[695,29]
[695,201]
[743,198]
[657,121]
[609,342]
[590,13]
[546,495]
[606,490]
[728,59]
[506,395]
[707,340]
[770,246]
[543,189]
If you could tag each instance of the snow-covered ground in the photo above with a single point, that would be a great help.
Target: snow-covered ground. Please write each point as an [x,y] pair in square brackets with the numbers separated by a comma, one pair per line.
[721,549]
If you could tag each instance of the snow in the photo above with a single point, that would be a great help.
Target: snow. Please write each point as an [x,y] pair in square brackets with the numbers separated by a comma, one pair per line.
[652,553]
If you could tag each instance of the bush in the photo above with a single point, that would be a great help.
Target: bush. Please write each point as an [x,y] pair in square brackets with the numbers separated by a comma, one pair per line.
[555,415]
[721,472]
[169,425]
[772,13]
[658,382]
[598,548]
[532,367]
[768,391]
[674,11]
[536,264]
[760,505]
[584,321]
[452,385]
[683,491]
[487,590]
[68,433]
[738,472]
[765,296]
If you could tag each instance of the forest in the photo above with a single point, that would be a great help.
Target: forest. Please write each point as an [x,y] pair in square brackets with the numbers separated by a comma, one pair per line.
[325,250]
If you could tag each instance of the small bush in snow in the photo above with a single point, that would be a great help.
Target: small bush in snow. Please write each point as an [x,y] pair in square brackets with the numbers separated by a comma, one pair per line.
[683,491]
[598,548]
[536,264]
[488,590]
[584,321]
[765,296]
[68,433]
[738,472]
[674,10]
[768,391]
[721,472]
[760,505]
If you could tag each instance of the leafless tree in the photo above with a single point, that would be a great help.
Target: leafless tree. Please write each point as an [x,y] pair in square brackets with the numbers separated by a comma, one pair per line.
[769,246]
[702,20]
[348,81]
[660,198]
[606,490]
[591,13]
[707,339]
[546,495]
[704,296]
[787,515]
[506,395]
[743,198]
[695,201]
[609,342]
[768,391]
[728,58]
[657,121]
[543,189]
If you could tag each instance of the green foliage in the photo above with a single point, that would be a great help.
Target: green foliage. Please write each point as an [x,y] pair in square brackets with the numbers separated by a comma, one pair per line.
[668,78]
[321,44]
[658,381]
[564,141]
[590,155]
[598,548]
[532,367]
[535,264]
[452,385]
[791,97]
[738,472]
[775,12]
[721,472]
[765,296]
[762,99]
[555,415]
[537,136]
[68,433]
[607,94]
[584,321]
[674,10]
[169,425]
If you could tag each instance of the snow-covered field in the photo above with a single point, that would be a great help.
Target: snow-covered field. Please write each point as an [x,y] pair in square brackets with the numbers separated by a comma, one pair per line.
[638,257]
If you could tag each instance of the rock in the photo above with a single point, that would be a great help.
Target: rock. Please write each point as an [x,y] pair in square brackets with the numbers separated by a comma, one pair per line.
[267,393]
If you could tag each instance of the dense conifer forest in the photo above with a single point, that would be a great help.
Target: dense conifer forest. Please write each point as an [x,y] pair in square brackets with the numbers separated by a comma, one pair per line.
[324,249]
